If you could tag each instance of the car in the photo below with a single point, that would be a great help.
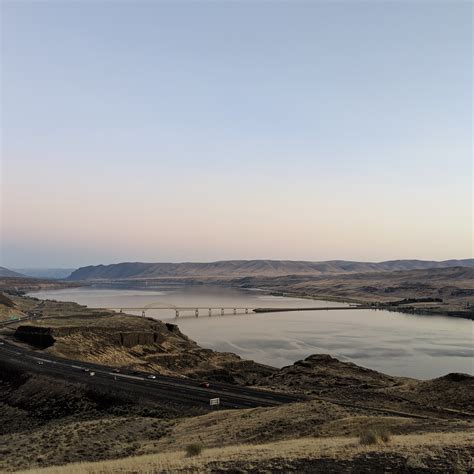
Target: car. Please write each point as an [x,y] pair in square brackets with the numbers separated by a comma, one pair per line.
[204,384]
[86,369]
[152,377]
[91,374]
[39,362]
[117,371]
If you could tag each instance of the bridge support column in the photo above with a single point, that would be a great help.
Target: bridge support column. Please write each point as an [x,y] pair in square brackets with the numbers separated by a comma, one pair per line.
[222,311]
[235,311]
[177,313]
[143,313]
[246,311]
[210,311]
[196,313]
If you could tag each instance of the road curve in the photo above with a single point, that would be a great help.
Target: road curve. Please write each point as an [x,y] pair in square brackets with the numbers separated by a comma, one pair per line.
[176,389]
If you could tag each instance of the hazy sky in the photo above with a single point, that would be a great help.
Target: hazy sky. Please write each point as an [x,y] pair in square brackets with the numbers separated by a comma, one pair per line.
[175,131]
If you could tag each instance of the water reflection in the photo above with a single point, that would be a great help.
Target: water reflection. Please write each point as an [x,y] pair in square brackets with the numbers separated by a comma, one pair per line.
[394,343]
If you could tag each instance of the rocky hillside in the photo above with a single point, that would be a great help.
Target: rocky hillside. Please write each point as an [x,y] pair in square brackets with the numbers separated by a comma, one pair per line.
[350,385]
[45,421]
[73,331]
[321,372]
[236,268]
[139,344]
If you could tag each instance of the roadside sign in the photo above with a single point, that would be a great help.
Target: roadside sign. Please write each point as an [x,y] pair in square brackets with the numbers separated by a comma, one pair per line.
[214,401]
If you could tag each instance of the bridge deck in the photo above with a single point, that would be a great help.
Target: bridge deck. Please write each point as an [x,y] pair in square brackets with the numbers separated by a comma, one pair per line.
[181,308]
[234,308]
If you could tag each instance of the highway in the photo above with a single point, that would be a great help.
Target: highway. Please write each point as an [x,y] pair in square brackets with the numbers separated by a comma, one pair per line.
[173,389]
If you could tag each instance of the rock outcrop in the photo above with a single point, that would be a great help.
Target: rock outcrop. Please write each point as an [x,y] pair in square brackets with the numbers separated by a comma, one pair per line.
[36,336]
[323,372]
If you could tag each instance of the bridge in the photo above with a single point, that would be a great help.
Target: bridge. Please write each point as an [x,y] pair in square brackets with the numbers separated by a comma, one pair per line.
[196,309]
[222,310]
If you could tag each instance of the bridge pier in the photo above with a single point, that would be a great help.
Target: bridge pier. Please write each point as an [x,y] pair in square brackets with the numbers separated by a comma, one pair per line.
[177,313]
[235,311]
[222,311]
[143,313]
[196,313]
[210,311]
[246,311]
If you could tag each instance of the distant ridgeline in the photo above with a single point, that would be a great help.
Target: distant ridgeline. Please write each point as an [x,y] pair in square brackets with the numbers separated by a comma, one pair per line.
[6,273]
[240,268]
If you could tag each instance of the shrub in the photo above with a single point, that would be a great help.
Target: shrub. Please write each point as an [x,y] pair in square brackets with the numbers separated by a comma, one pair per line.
[369,437]
[413,462]
[385,436]
[193,449]
[375,436]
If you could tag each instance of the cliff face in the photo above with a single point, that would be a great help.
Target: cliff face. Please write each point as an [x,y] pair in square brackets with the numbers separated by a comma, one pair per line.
[44,337]
[36,336]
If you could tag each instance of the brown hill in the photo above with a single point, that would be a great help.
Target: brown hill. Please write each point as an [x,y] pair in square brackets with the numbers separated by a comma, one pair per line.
[236,268]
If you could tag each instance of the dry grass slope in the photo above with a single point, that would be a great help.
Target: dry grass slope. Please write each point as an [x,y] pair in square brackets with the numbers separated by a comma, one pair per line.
[448,452]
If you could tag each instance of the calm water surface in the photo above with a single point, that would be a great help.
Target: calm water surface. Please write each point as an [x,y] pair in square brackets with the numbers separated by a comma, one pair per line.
[398,344]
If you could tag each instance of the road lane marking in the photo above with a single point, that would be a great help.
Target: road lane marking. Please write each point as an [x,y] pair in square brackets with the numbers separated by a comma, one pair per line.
[44,360]
[126,376]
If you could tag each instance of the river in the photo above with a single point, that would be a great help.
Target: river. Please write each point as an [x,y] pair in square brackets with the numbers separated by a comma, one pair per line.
[394,343]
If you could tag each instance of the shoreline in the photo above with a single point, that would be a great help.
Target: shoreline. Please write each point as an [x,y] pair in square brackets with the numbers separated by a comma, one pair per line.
[392,308]
[376,305]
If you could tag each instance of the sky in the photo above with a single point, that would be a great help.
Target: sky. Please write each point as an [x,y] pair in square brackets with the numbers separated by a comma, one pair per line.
[199,131]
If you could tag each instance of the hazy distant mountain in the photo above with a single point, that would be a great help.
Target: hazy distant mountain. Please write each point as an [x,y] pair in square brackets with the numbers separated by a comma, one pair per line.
[50,273]
[236,268]
[6,273]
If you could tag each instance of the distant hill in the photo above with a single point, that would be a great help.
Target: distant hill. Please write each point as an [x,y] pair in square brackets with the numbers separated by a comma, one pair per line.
[240,268]
[49,273]
[6,273]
